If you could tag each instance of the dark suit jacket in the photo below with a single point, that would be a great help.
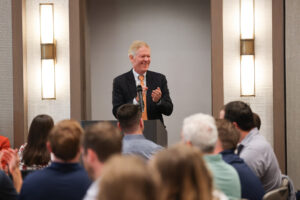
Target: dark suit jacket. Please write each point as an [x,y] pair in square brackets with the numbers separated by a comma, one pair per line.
[124,91]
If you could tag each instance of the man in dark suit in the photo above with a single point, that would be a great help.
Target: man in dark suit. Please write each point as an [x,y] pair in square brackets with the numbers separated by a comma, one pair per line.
[156,96]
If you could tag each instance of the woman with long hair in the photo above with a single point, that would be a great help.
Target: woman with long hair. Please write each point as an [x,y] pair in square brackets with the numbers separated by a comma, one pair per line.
[34,154]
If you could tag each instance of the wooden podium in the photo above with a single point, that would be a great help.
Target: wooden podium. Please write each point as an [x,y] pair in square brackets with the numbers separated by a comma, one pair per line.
[154,130]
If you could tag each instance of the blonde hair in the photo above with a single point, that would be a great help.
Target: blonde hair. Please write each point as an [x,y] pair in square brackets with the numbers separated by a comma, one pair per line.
[127,178]
[183,174]
[135,45]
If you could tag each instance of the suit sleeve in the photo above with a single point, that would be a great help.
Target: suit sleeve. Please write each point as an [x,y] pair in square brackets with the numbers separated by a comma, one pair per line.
[165,106]
[119,96]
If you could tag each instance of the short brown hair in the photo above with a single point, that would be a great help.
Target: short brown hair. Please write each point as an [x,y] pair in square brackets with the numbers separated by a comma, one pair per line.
[65,139]
[135,45]
[241,113]
[103,138]
[129,116]
[228,134]
[183,172]
[127,178]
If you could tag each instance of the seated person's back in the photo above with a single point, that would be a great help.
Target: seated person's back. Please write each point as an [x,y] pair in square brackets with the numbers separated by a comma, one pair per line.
[64,178]
[34,154]
[228,140]
[254,148]
[200,130]
[131,123]
[259,156]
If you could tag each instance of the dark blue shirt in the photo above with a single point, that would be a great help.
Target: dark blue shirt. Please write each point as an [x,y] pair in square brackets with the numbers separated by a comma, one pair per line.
[7,190]
[59,181]
[252,188]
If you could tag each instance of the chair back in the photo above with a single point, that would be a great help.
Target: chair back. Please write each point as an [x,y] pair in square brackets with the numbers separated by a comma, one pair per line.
[280,193]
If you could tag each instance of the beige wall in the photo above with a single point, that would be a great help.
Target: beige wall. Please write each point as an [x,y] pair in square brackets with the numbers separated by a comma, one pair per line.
[6,71]
[262,103]
[292,21]
[59,108]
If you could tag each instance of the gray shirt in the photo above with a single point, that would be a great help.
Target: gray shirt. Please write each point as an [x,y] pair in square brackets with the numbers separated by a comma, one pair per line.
[260,157]
[137,144]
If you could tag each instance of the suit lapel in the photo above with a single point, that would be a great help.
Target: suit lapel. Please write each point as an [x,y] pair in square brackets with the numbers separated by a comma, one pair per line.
[131,85]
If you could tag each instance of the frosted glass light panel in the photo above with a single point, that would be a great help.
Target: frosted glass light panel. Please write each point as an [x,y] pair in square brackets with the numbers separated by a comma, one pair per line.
[46,17]
[48,79]
[247,75]
[247,19]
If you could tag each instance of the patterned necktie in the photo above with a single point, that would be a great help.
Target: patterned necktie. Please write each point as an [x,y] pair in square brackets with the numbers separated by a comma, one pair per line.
[144,114]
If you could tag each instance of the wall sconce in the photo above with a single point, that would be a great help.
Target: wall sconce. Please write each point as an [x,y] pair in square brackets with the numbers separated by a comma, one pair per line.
[48,51]
[247,49]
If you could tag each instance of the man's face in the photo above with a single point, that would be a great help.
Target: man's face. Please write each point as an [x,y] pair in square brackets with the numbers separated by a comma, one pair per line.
[141,60]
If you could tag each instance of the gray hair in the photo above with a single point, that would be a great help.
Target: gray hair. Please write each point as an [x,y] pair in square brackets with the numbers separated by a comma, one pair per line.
[200,129]
[135,46]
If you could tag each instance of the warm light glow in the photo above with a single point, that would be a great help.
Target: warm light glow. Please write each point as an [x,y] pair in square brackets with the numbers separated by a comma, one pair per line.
[247,19]
[48,79]
[46,23]
[247,75]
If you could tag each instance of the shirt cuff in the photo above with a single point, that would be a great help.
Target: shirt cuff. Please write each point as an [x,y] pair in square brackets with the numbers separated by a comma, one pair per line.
[159,102]
[135,102]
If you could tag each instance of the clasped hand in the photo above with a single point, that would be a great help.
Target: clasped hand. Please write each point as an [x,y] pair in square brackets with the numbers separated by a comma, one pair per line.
[156,94]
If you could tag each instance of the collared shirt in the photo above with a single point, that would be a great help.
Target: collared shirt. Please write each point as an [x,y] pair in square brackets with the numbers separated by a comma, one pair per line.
[225,176]
[260,157]
[93,191]
[138,82]
[136,78]
[137,144]
[250,183]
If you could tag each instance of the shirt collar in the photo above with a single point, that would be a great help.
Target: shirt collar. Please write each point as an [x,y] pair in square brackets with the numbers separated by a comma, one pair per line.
[227,151]
[133,136]
[212,157]
[136,77]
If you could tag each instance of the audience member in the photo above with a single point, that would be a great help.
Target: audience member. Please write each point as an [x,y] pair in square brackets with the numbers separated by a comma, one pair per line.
[256,120]
[183,174]
[254,148]
[64,178]
[228,139]
[34,154]
[127,178]
[4,144]
[9,189]
[199,130]
[132,124]
[100,141]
